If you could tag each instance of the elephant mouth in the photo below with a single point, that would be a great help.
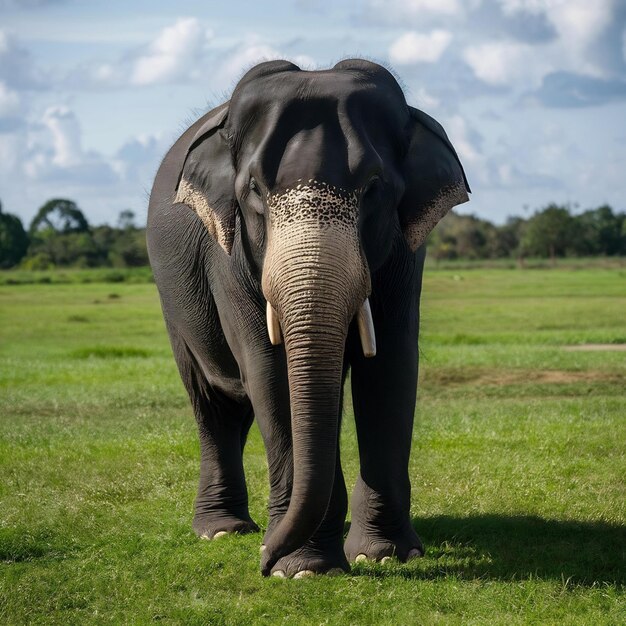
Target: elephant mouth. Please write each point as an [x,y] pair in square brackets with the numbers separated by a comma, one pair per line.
[364,321]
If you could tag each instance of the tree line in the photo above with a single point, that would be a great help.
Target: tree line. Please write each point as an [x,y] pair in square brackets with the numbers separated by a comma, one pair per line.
[552,232]
[60,236]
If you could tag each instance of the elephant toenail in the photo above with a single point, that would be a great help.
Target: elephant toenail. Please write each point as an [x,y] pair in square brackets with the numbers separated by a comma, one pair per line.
[279,574]
[219,533]
[335,571]
[304,573]
[414,553]
[385,559]
[360,558]
[262,548]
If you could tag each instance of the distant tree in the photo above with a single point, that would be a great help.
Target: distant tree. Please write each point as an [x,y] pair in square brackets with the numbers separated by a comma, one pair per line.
[126,220]
[469,233]
[441,244]
[601,231]
[122,248]
[60,216]
[13,240]
[550,233]
[60,235]
[506,238]
[465,236]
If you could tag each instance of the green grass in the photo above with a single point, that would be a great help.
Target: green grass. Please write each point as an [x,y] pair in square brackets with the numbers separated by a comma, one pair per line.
[72,275]
[517,468]
[567,263]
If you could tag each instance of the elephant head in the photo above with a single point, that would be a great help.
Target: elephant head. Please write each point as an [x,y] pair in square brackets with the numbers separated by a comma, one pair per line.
[318,175]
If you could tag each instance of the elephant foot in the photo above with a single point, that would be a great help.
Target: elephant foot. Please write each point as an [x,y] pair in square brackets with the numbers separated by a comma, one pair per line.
[381,528]
[311,560]
[377,545]
[214,526]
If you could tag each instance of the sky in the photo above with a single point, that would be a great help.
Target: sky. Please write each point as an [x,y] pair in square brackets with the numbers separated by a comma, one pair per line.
[531,92]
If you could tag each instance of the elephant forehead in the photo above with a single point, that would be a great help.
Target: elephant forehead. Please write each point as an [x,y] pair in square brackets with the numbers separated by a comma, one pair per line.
[314,199]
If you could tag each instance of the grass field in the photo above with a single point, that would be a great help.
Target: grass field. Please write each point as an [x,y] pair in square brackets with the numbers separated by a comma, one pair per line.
[518,465]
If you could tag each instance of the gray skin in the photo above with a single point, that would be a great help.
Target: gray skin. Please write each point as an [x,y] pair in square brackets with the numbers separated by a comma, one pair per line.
[311,191]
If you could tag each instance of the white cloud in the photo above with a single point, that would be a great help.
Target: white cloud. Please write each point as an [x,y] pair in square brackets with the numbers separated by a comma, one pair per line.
[183,52]
[578,23]
[249,53]
[495,62]
[498,167]
[305,62]
[65,131]
[9,101]
[581,20]
[138,159]
[16,67]
[11,154]
[460,136]
[20,4]
[433,6]
[415,47]
[245,57]
[173,55]
[176,55]
[55,152]
[415,8]
[426,99]
[502,63]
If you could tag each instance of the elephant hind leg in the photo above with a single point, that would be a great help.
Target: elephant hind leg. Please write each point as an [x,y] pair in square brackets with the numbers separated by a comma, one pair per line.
[223,424]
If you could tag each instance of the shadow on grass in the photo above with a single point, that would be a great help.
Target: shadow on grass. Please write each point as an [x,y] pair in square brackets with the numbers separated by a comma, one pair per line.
[19,545]
[500,547]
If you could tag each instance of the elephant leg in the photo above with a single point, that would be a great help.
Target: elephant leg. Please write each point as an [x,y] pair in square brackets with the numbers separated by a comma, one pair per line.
[223,424]
[384,390]
[323,552]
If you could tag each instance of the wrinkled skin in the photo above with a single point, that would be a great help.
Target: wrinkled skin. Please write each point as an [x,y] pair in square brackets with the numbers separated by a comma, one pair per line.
[310,191]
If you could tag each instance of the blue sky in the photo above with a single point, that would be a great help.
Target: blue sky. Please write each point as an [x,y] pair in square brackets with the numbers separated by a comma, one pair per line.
[531,92]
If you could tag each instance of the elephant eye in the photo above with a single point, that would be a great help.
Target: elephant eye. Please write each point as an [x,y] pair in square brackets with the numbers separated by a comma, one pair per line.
[372,187]
[254,187]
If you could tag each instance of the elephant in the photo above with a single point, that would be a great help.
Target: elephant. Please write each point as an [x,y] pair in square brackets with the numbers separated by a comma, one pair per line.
[286,234]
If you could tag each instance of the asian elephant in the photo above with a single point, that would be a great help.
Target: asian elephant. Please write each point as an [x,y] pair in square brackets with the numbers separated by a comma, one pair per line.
[285,233]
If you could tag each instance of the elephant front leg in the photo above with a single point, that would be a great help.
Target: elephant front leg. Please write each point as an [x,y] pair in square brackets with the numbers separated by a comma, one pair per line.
[221,505]
[383,390]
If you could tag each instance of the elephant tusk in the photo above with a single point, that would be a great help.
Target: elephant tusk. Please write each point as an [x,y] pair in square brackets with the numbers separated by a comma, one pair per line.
[273,326]
[366,330]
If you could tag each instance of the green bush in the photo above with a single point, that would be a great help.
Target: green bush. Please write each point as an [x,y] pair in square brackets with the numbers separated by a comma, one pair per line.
[13,240]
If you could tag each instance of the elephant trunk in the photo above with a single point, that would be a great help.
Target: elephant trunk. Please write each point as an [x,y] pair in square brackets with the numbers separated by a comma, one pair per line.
[315,280]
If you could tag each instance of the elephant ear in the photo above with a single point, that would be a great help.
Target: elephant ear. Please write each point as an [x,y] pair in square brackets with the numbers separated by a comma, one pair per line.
[434,178]
[206,181]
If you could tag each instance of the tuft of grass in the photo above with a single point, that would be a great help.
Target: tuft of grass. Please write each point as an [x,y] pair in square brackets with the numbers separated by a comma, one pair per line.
[110,352]
[517,466]
[77,318]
